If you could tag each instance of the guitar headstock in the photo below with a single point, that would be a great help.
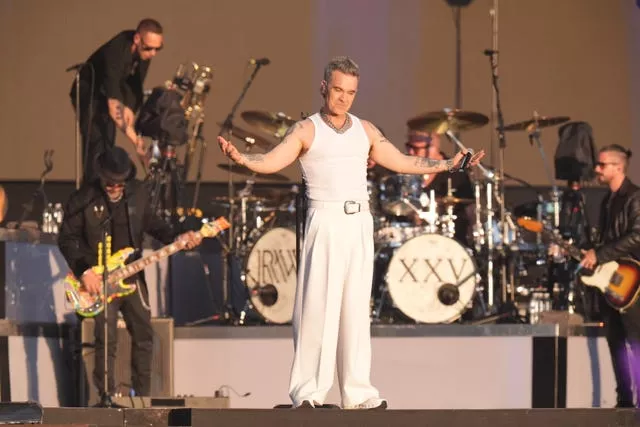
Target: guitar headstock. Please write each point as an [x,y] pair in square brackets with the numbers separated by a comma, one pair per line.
[211,229]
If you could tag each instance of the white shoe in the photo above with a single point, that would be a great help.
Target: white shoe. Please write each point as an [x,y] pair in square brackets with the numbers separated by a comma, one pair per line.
[372,403]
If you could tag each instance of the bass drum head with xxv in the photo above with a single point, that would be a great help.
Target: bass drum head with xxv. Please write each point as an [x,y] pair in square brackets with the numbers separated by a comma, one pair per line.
[432,278]
[271,275]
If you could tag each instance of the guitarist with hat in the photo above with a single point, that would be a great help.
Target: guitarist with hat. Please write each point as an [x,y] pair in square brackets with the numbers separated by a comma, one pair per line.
[619,238]
[117,201]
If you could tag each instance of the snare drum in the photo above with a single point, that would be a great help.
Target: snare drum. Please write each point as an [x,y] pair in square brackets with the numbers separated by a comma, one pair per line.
[432,279]
[271,275]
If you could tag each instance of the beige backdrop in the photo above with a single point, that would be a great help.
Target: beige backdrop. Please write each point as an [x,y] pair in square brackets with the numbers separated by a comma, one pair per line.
[569,57]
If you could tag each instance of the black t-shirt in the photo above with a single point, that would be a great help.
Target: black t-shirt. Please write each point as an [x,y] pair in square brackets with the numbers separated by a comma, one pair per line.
[120,236]
[119,73]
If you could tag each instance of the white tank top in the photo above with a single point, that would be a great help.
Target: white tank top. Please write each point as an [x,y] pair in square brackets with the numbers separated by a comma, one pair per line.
[335,166]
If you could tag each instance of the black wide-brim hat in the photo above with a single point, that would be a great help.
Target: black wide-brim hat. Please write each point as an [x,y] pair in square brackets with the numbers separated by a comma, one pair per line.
[114,165]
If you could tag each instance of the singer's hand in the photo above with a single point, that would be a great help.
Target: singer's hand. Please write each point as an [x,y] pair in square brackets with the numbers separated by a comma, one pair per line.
[229,150]
[92,282]
[475,159]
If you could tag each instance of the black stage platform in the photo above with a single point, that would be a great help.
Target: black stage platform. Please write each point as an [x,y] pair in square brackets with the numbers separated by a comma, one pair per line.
[338,418]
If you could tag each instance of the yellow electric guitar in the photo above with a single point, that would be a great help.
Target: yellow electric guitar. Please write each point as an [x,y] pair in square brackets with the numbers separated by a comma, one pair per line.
[88,305]
[619,281]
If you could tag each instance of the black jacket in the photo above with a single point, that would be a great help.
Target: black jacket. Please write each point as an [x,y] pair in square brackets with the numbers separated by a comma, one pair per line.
[620,224]
[81,231]
[113,71]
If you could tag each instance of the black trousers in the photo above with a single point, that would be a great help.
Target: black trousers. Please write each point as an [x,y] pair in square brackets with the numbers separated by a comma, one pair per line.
[97,130]
[138,320]
[623,336]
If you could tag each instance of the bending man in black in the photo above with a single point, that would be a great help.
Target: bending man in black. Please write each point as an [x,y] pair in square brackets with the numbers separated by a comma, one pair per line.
[111,90]
[123,205]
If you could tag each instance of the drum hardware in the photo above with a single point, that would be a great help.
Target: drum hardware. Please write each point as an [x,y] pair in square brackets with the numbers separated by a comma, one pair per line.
[250,138]
[396,190]
[194,82]
[164,181]
[231,248]
[447,120]
[244,171]
[532,127]
[273,124]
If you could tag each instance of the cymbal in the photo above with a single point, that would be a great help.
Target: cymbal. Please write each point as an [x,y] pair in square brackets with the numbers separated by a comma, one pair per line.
[250,138]
[242,170]
[447,119]
[275,124]
[452,200]
[540,121]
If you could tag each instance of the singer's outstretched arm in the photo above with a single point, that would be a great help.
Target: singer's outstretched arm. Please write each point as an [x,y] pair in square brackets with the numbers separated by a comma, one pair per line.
[281,156]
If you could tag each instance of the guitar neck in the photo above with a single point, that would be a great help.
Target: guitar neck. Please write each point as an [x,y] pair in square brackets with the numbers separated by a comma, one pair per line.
[568,247]
[135,267]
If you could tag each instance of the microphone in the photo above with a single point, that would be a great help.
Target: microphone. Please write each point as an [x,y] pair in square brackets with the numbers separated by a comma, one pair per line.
[76,66]
[490,52]
[261,61]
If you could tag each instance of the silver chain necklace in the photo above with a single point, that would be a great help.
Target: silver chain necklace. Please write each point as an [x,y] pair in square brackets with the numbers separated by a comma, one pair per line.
[345,127]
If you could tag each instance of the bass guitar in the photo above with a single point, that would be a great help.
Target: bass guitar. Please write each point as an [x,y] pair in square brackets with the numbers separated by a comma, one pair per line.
[88,305]
[619,281]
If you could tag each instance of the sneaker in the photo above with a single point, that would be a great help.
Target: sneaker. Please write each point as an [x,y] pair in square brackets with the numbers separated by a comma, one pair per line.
[372,403]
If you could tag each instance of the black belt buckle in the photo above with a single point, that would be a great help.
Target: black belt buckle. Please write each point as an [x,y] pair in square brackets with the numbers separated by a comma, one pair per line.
[350,207]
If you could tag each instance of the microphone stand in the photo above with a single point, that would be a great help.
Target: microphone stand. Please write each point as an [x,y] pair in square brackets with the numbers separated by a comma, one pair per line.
[105,399]
[502,141]
[28,208]
[203,149]
[227,125]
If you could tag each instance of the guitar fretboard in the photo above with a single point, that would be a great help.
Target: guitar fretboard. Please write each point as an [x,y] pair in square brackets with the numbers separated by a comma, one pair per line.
[139,265]
[568,247]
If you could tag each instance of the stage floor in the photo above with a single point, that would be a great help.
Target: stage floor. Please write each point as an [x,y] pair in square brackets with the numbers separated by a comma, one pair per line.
[165,417]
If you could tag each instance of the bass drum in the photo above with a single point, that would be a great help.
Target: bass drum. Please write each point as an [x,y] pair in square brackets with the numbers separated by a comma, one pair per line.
[432,278]
[271,275]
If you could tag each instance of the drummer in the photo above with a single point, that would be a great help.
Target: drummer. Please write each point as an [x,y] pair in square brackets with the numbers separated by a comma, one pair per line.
[428,145]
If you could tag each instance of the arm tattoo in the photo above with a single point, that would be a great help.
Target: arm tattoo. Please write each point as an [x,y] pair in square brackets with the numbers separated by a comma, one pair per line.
[290,131]
[423,162]
[254,158]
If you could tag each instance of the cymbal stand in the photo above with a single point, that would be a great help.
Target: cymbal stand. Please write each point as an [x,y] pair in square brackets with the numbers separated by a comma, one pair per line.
[197,135]
[490,176]
[226,128]
[534,135]
[500,189]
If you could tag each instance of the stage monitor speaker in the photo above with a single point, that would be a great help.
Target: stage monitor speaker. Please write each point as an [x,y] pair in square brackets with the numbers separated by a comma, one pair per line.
[20,413]
[161,367]
[204,402]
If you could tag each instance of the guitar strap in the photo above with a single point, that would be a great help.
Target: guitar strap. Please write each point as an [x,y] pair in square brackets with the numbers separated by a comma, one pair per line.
[135,225]
[134,218]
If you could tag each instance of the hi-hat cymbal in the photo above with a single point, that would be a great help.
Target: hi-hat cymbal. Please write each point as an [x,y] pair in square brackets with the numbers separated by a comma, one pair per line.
[275,124]
[452,200]
[540,122]
[250,138]
[242,170]
[447,119]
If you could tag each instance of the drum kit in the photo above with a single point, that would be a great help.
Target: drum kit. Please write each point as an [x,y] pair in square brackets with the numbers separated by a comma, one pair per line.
[423,271]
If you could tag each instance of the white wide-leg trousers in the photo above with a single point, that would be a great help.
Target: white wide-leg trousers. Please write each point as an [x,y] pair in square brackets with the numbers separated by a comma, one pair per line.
[331,323]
